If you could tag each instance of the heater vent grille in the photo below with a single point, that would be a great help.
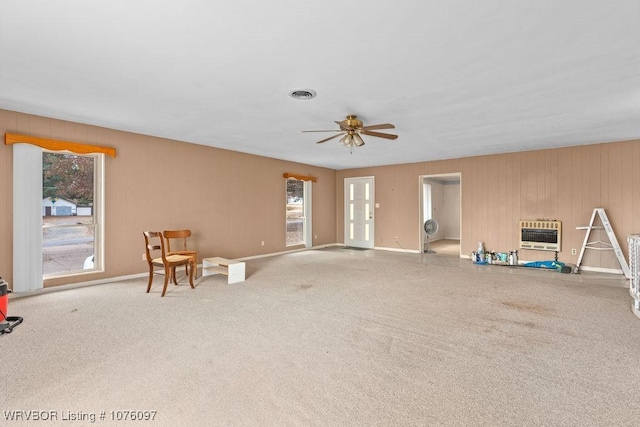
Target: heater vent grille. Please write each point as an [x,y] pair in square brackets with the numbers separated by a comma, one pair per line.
[540,235]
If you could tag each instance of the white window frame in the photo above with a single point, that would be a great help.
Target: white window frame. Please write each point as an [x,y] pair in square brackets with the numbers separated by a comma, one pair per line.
[27,218]
[307,220]
[98,218]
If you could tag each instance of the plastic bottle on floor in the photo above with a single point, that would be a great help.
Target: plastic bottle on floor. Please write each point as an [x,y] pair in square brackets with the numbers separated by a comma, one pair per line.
[481,250]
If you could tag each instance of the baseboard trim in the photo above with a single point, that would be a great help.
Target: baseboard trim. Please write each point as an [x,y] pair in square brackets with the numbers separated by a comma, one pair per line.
[603,270]
[411,251]
[34,292]
[328,245]
[592,269]
[77,285]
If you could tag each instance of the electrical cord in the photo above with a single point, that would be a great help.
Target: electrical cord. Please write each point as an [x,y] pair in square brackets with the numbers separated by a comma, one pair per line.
[15,319]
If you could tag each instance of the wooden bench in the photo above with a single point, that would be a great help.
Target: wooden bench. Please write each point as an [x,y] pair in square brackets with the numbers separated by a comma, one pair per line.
[234,270]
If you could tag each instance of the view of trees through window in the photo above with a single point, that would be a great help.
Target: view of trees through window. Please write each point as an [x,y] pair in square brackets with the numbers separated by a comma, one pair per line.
[68,176]
[295,212]
[68,221]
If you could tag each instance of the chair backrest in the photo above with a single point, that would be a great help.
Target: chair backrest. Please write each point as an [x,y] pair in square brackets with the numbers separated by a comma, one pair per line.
[154,242]
[178,235]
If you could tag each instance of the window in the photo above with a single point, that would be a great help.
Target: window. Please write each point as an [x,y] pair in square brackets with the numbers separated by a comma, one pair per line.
[71,213]
[28,206]
[298,209]
[295,212]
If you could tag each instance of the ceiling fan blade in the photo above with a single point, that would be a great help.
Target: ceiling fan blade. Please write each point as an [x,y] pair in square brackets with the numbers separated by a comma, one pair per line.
[381,126]
[379,135]
[359,141]
[335,130]
[327,139]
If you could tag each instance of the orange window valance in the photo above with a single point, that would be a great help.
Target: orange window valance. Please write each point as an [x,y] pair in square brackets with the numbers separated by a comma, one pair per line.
[56,145]
[300,177]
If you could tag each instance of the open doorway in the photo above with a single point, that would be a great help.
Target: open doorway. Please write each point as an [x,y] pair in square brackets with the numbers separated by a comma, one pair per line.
[440,207]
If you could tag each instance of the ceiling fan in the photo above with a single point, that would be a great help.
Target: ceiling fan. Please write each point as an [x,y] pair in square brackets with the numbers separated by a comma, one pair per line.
[351,128]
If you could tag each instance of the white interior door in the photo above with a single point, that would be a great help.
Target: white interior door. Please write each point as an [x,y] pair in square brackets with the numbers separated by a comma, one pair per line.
[359,206]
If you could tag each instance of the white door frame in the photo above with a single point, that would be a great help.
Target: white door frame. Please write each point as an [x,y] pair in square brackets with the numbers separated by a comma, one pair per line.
[308,219]
[421,179]
[367,210]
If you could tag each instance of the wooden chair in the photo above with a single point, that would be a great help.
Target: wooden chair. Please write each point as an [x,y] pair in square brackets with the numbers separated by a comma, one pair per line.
[180,246]
[166,261]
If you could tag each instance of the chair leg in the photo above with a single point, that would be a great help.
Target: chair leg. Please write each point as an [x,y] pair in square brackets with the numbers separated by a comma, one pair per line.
[195,267]
[173,275]
[150,280]
[167,273]
[192,266]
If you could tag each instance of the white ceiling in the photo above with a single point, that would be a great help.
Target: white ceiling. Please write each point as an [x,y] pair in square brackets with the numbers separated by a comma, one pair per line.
[457,77]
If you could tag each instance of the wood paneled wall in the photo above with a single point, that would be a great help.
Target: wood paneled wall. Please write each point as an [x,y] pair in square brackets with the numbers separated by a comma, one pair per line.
[231,201]
[563,184]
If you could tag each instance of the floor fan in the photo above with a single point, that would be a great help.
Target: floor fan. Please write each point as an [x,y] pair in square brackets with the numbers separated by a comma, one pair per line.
[430,227]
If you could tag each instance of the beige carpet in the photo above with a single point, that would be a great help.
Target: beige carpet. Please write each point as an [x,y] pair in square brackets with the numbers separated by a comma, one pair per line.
[445,247]
[334,337]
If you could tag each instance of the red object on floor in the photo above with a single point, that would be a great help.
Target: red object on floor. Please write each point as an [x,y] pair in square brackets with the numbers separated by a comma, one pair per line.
[4,298]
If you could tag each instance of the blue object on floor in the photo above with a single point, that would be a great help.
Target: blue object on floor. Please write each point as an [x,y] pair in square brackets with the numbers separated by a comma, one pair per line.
[544,264]
[552,265]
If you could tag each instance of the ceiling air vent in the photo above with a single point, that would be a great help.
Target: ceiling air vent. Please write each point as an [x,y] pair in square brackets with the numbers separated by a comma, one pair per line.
[302,94]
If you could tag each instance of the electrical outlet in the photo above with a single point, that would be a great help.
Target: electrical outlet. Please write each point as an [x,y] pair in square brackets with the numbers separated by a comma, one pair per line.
[316,237]
[144,257]
[573,252]
[263,243]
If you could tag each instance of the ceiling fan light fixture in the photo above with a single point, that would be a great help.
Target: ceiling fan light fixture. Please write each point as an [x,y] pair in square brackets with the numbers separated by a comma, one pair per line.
[351,128]
[303,94]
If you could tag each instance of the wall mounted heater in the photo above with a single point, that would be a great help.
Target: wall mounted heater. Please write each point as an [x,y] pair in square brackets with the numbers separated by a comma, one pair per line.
[540,235]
